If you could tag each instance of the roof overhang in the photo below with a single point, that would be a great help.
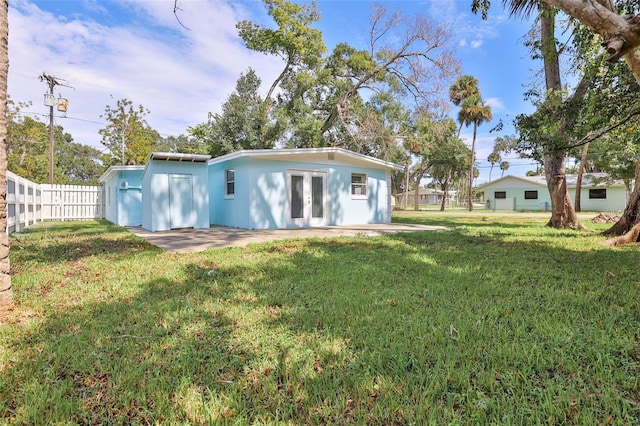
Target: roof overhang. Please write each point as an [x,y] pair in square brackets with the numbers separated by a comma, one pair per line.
[310,154]
[174,156]
[111,171]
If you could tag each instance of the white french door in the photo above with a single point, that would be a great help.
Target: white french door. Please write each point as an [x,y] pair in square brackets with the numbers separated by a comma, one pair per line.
[307,197]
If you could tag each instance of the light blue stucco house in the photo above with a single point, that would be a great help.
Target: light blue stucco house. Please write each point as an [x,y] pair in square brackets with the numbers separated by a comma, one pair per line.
[122,195]
[598,193]
[253,189]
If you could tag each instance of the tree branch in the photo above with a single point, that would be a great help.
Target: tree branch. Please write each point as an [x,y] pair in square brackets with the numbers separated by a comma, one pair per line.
[176,8]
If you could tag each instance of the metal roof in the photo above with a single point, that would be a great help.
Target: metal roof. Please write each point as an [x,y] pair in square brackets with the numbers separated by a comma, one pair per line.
[588,180]
[174,156]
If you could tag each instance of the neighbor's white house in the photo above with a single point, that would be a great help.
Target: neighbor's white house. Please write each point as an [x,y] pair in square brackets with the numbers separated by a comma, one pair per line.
[531,193]
[253,189]
[425,196]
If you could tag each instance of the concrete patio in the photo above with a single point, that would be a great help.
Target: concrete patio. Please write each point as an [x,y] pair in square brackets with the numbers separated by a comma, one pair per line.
[193,240]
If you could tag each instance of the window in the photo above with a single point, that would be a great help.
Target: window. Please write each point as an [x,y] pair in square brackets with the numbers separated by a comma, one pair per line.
[358,185]
[230,182]
[530,195]
[598,194]
[500,194]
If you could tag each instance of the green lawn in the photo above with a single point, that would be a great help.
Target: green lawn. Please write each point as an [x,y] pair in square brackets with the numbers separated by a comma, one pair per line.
[497,321]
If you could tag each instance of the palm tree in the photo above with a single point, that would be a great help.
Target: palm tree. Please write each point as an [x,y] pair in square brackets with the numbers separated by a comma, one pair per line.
[6,298]
[504,166]
[463,88]
[493,158]
[474,111]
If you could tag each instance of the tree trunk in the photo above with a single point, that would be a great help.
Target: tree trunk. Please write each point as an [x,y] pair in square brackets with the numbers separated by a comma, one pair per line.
[562,213]
[583,160]
[416,198]
[445,195]
[406,183]
[630,217]
[6,295]
[473,160]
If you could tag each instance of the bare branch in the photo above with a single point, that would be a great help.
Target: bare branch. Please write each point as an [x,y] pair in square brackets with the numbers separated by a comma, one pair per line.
[176,8]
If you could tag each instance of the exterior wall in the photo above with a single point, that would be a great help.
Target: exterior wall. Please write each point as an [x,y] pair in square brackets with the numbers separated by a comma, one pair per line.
[515,200]
[616,199]
[157,203]
[224,210]
[124,206]
[515,189]
[375,208]
[261,194]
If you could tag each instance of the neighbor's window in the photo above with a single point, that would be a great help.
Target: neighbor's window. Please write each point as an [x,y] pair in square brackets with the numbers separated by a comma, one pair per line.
[530,195]
[358,184]
[500,194]
[230,182]
[597,194]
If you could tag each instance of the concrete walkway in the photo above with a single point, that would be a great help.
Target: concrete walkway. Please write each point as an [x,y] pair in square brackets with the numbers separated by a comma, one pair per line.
[192,240]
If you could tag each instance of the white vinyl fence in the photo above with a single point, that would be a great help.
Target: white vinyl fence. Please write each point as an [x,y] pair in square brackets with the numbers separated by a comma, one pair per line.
[29,202]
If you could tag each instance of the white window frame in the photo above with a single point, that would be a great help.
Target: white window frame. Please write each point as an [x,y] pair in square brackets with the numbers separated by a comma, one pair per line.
[227,182]
[362,185]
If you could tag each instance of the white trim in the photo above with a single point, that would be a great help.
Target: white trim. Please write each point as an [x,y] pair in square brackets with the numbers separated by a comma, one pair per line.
[307,218]
[365,184]
[175,156]
[108,174]
[297,152]
[227,195]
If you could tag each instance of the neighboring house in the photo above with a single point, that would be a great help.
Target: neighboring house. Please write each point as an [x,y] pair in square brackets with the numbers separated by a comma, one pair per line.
[531,193]
[425,196]
[254,189]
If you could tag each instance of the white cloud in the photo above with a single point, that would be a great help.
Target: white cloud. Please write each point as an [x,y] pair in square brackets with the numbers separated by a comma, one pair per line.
[178,74]
[496,104]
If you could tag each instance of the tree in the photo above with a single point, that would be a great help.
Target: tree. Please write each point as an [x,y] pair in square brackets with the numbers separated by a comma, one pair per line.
[6,295]
[444,156]
[552,131]
[294,41]
[241,124]
[127,135]
[464,87]
[77,164]
[504,166]
[474,111]
[184,144]
[493,158]
[27,152]
[620,31]
[412,62]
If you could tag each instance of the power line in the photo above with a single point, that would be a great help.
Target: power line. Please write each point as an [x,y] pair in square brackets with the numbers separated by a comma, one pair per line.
[61,116]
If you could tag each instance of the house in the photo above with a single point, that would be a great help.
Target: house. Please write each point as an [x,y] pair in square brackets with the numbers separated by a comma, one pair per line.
[253,189]
[122,194]
[531,193]
[174,192]
[425,196]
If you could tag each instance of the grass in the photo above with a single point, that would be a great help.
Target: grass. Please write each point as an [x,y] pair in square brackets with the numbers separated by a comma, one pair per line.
[496,321]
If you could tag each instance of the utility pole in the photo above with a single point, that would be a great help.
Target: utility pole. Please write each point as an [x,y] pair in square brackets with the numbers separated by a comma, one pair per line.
[49,101]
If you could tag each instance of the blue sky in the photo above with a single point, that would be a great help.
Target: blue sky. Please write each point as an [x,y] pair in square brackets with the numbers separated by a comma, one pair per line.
[136,49]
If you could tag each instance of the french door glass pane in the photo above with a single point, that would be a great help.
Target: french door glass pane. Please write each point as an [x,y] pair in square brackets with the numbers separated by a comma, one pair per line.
[317,208]
[297,197]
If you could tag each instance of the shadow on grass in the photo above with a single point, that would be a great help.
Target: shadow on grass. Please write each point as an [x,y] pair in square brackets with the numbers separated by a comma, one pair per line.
[55,242]
[406,328]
